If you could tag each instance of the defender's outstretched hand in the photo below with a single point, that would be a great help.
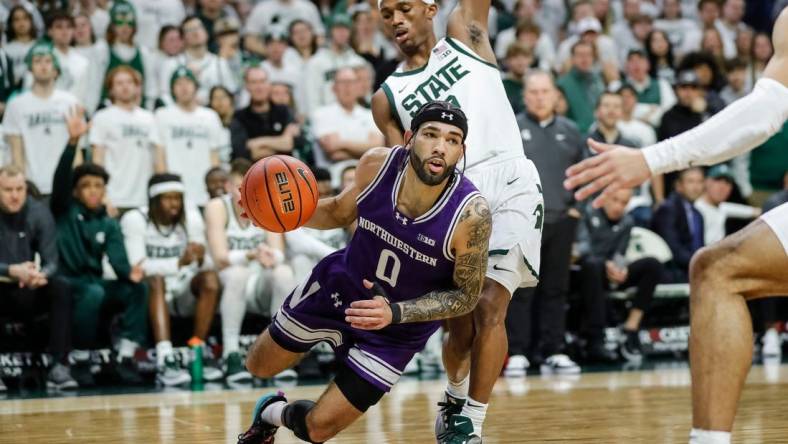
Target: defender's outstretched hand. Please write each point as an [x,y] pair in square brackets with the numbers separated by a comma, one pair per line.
[612,168]
[369,314]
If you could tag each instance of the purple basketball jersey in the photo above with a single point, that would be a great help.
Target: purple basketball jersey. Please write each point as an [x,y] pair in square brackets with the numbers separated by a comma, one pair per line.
[407,257]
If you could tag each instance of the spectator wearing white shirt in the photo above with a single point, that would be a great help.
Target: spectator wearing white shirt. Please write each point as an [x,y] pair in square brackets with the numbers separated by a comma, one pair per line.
[125,141]
[344,129]
[303,43]
[589,30]
[629,32]
[96,14]
[170,46]
[192,136]
[530,34]
[683,32]
[714,208]
[74,68]
[282,69]
[278,13]
[731,24]
[34,121]
[708,13]
[321,68]
[152,15]
[655,96]
[736,88]
[20,34]
[209,69]
[87,46]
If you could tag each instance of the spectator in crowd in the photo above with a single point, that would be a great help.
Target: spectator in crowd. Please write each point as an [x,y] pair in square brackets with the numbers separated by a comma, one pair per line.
[209,69]
[168,238]
[710,79]
[262,128]
[602,241]
[85,235]
[192,136]
[20,35]
[683,32]
[344,129]
[215,181]
[86,45]
[74,68]
[227,33]
[604,50]
[744,40]
[708,13]
[282,94]
[642,134]
[711,43]
[530,34]
[96,14]
[321,68]
[713,205]
[283,70]
[170,46]
[519,58]
[609,109]
[33,123]
[303,42]
[278,13]
[761,53]
[252,269]
[581,86]
[369,42]
[655,95]
[153,15]
[730,24]
[736,71]
[122,51]
[680,224]
[125,141]
[221,101]
[631,32]
[552,143]
[687,113]
[210,13]
[660,56]
[27,229]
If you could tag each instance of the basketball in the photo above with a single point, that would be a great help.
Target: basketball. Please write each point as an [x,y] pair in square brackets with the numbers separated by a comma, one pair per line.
[279,193]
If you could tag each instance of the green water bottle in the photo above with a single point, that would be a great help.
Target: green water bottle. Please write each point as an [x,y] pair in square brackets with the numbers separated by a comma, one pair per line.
[195,345]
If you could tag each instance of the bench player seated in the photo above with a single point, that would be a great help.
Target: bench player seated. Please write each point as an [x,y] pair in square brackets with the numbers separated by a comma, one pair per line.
[169,240]
[422,238]
[252,269]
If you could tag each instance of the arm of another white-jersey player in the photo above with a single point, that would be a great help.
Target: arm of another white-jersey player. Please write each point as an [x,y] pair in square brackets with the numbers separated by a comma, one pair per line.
[216,236]
[385,121]
[340,211]
[469,243]
[468,24]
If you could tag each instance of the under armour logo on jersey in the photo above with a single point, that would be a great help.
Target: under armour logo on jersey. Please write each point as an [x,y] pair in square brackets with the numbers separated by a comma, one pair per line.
[337,301]
[447,116]
[401,219]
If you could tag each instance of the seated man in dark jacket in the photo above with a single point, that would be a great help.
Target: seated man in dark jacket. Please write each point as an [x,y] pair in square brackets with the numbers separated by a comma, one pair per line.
[27,228]
[85,233]
[602,239]
[680,224]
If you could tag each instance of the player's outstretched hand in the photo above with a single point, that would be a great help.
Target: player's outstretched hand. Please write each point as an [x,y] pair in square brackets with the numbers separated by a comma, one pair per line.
[369,314]
[613,168]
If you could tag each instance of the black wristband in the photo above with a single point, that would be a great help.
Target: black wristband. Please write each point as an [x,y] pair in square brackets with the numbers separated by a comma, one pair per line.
[396,313]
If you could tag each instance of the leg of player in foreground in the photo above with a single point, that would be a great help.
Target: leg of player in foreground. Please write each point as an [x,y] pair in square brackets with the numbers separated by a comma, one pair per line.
[749,264]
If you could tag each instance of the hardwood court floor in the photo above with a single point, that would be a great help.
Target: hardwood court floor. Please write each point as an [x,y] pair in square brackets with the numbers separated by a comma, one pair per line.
[618,407]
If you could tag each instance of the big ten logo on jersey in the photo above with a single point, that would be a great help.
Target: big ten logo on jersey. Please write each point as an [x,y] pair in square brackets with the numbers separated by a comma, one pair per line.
[288,206]
[435,86]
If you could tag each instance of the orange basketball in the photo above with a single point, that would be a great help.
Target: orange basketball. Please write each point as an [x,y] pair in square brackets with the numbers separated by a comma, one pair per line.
[279,193]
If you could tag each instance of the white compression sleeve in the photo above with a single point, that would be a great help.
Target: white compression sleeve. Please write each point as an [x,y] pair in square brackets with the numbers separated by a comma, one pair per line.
[740,127]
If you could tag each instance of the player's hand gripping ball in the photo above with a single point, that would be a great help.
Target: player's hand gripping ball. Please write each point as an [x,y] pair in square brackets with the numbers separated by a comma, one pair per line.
[279,193]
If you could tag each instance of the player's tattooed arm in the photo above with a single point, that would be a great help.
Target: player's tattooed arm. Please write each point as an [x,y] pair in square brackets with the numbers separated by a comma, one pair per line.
[470,242]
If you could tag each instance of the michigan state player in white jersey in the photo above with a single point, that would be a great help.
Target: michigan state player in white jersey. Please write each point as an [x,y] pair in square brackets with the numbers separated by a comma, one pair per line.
[168,239]
[750,264]
[461,69]
[252,269]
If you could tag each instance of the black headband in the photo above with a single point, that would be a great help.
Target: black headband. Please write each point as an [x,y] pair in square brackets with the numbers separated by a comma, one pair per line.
[440,112]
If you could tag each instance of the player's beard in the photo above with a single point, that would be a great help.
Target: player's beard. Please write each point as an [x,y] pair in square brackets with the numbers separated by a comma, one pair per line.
[422,172]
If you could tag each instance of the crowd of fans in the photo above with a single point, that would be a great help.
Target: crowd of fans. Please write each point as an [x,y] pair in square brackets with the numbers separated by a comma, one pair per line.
[127,127]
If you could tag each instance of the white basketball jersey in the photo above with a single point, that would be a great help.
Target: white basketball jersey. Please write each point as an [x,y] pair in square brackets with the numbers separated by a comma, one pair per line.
[455,74]
[238,237]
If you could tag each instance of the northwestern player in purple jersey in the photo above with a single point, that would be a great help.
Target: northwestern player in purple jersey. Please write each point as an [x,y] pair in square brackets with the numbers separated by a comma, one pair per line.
[422,240]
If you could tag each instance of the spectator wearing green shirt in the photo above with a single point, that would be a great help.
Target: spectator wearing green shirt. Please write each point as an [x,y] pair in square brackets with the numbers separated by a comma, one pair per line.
[519,57]
[85,234]
[582,86]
